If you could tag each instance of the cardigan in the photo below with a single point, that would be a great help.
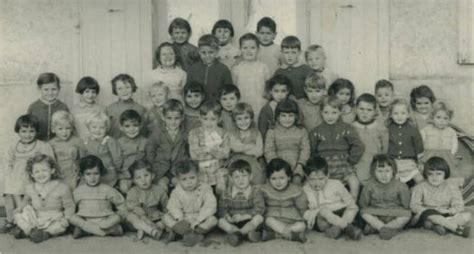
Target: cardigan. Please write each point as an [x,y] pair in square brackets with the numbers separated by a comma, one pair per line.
[230,204]
[213,77]
[44,112]
[289,203]
[404,141]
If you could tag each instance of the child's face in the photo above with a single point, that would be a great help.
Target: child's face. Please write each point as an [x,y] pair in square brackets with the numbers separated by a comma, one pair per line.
[423,105]
[158,96]
[209,120]
[317,180]
[316,60]
[89,96]
[290,55]
[49,92]
[229,101]
[97,130]
[279,92]
[243,121]
[286,119]
[241,179]
[130,128]
[441,119]
[315,95]
[399,113]
[279,179]
[265,35]
[124,90]
[344,95]
[167,57]
[91,176]
[330,114]
[189,181]
[365,112]
[193,99]
[173,120]
[42,172]
[435,177]
[384,97]
[27,134]
[208,54]
[63,131]
[384,174]
[179,35]
[249,50]
[142,178]
[223,35]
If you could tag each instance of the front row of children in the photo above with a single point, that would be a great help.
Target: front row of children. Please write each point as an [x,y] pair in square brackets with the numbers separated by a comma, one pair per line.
[277,209]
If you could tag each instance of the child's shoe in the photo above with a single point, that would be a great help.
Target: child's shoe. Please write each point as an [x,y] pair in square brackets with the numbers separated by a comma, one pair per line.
[387,233]
[140,234]
[369,230]
[254,236]
[233,239]
[268,235]
[333,232]
[38,236]
[17,233]
[156,233]
[77,233]
[168,236]
[182,228]
[353,232]
[6,227]
[463,231]
[440,230]
[191,239]
[298,237]
[428,225]
[115,231]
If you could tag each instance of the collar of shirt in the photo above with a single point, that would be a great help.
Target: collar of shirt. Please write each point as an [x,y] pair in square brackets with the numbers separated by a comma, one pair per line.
[299,63]
[246,192]
[172,132]
[83,104]
[47,102]
[368,125]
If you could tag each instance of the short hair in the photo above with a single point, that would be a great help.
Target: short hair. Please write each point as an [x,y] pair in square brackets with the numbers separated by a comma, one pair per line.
[383,83]
[87,83]
[210,106]
[340,84]
[278,79]
[61,117]
[47,78]
[241,108]
[228,89]
[248,37]
[313,48]
[422,91]
[27,121]
[140,164]
[382,160]
[194,87]
[401,101]
[239,165]
[268,23]
[159,85]
[98,117]
[291,42]
[39,158]
[276,165]
[179,23]
[223,23]
[332,101]
[208,40]
[130,115]
[315,164]
[186,166]
[160,48]
[125,78]
[368,98]
[287,106]
[436,163]
[173,105]
[90,162]
[441,106]
[315,80]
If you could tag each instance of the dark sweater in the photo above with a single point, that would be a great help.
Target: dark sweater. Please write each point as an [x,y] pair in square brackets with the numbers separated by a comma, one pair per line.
[44,112]
[213,77]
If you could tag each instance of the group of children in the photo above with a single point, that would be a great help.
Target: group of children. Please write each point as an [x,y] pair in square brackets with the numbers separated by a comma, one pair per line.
[317,158]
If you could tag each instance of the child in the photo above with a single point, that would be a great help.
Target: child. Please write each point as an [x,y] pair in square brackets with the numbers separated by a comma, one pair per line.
[384,201]
[88,88]
[167,146]
[48,103]
[241,206]
[439,205]
[104,147]
[229,97]
[250,74]
[146,202]
[405,144]
[159,95]
[95,202]
[224,32]
[123,86]
[373,134]
[421,100]
[180,32]
[338,143]
[194,96]
[209,71]
[269,52]
[292,67]
[332,209]
[343,89]
[191,206]
[246,142]
[384,94]
[315,91]
[169,71]
[132,147]
[47,204]
[287,140]
[316,59]
[15,176]
[209,145]
[67,148]
[285,204]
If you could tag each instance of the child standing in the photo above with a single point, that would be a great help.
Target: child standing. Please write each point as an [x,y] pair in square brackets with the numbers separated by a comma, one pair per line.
[438,204]
[191,206]
[241,206]
[316,59]
[180,32]
[338,143]
[47,204]
[315,91]
[331,207]
[285,204]
[209,71]
[384,94]
[384,201]
[287,140]
[229,97]
[224,32]
[421,101]
[343,89]
[159,95]
[48,103]
[194,96]
[269,52]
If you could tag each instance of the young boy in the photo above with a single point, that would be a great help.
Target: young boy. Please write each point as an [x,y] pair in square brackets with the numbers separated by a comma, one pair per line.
[167,146]
[180,32]
[332,209]
[159,95]
[224,32]
[316,59]
[269,52]
[241,206]
[48,103]
[229,97]
[191,206]
[315,90]
[292,67]
[384,95]
[209,71]
[194,96]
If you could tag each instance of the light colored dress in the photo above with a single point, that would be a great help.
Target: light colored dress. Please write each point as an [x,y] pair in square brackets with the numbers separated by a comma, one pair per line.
[440,142]
[81,112]
[175,79]
[67,155]
[228,55]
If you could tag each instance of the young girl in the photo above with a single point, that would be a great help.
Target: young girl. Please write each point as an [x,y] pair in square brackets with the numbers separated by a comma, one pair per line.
[438,138]
[250,74]
[338,143]
[285,204]
[384,202]
[343,89]
[169,71]
[194,96]
[47,204]
[421,100]
[373,134]
[287,140]
[159,95]
[228,53]
[439,205]
[15,176]
[405,144]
